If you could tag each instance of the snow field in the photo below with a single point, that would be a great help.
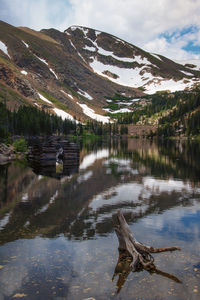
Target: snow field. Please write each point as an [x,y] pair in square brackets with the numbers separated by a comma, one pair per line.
[132,78]
[64,115]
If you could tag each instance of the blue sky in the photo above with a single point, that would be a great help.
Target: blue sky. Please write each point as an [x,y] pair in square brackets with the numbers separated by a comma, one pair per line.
[167,27]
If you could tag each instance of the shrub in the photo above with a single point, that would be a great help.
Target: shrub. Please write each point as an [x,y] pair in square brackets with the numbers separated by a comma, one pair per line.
[20,145]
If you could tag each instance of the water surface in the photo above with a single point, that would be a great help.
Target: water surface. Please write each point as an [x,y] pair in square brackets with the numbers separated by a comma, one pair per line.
[57,239]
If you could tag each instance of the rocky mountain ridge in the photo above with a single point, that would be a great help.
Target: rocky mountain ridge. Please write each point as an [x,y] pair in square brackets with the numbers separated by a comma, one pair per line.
[75,73]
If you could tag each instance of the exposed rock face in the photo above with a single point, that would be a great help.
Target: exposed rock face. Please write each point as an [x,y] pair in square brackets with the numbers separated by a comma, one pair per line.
[6,153]
[5,150]
[6,75]
[21,85]
[110,74]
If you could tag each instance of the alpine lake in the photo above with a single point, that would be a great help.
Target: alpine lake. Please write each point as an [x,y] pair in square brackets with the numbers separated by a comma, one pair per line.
[57,237]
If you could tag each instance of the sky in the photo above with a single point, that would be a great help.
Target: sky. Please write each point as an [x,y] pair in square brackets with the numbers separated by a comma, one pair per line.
[167,27]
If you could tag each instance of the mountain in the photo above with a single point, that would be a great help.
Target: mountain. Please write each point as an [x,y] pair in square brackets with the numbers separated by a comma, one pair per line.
[76,73]
[128,65]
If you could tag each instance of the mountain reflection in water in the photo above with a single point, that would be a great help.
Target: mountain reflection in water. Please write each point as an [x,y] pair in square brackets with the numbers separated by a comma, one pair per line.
[156,185]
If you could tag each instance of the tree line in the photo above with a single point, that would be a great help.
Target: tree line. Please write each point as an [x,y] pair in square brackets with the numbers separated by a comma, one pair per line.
[184,118]
[30,121]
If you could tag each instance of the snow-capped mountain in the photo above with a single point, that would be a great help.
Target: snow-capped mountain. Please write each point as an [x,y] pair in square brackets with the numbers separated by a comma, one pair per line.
[74,73]
[127,65]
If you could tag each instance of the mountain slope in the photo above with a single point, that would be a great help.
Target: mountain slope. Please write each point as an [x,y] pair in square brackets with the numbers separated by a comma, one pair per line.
[74,73]
[129,65]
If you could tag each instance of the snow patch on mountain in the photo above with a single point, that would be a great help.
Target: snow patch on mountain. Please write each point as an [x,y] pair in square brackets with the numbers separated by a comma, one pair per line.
[170,85]
[195,62]
[61,113]
[77,51]
[156,56]
[85,30]
[42,60]
[44,99]
[90,113]
[125,76]
[72,45]
[141,60]
[23,72]
[68,95]
[4,48]
[121,110]
[73,28]
[97,32]
[110,53]
[86,95]
[92,49]
[27,46]
[187,73]
[135,100]
[81,57]
[52,71]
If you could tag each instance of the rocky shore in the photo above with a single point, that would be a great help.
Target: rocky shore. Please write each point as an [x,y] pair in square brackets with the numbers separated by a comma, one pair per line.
[7,154]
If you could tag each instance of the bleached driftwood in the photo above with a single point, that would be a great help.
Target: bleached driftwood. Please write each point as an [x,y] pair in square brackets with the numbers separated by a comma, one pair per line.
[140,254]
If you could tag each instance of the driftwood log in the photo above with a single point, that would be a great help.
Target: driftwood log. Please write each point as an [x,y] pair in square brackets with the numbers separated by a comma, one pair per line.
[135,256]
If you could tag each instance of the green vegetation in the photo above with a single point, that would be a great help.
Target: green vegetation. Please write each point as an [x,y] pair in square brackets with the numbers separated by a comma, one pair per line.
[120,97]
[141,88]
[176,114]
[113,106]
[154,104]
[184,119]
[55,101]
[29,121]
[116,102]
[20,145]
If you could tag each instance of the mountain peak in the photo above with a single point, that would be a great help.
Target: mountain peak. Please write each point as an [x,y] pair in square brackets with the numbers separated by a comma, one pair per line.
[127,64]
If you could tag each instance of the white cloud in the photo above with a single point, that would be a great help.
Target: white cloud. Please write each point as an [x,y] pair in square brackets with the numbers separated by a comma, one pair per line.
[171,49]
[36,14]
[139,22]
[174,47]
[127,16]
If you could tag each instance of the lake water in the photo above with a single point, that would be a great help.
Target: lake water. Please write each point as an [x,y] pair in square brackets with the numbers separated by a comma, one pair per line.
[56,235]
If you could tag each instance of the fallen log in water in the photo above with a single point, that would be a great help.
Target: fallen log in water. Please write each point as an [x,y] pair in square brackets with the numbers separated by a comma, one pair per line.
[135,256]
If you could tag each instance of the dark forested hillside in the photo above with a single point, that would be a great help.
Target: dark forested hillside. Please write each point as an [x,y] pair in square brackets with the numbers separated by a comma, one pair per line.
[29,120]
